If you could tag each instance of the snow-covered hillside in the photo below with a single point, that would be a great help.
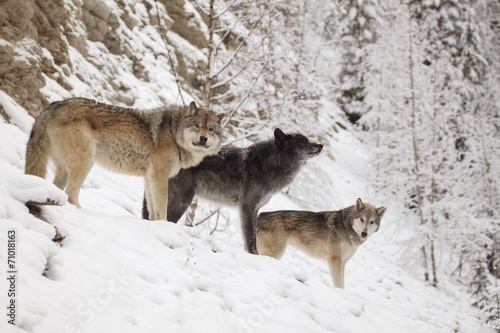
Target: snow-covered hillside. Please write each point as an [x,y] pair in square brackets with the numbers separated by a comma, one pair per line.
[114,272]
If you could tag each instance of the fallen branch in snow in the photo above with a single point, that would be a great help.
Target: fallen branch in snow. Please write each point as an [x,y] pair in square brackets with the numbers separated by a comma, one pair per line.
[48,202]
[4,114]
[206,218]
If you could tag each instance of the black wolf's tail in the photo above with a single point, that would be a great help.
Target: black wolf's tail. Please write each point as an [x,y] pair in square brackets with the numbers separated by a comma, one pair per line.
[37,151]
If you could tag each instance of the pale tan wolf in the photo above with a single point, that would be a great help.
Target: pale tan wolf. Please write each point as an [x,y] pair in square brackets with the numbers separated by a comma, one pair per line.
[155,144]
[331,235]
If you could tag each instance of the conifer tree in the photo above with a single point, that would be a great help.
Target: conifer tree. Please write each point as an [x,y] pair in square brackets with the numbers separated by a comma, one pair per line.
[358,30]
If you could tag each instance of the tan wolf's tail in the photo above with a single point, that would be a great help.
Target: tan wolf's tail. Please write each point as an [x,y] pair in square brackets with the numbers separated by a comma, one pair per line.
[37,151]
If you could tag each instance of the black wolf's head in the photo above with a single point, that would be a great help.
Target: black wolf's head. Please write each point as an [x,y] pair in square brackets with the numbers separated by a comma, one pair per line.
[296,146]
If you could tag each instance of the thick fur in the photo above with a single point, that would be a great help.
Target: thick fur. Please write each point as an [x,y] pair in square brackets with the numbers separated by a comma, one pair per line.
[155,144]
[332,235]
[242,177]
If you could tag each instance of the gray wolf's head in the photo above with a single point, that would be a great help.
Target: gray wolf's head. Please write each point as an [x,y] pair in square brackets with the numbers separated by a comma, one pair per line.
[202,130]
[297,147]
[366,219]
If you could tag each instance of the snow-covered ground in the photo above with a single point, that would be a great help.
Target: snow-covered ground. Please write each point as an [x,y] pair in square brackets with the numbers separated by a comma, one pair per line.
[117,273]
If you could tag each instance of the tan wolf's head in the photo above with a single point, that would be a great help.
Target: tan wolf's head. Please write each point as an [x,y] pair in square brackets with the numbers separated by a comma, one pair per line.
[366,219]
[202,130]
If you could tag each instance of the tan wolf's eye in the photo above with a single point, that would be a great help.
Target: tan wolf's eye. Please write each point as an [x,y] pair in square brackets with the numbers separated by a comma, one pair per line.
[196,125]
[211,129]
[362,220]
[372,222]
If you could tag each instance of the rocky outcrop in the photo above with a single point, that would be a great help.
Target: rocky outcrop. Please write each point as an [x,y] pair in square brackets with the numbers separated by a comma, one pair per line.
[79,47]
[20,70]
[186,23]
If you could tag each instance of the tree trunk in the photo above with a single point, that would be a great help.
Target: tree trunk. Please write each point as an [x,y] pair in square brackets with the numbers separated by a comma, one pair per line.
[207,87]
[416,156]
[210,58]
[433,176]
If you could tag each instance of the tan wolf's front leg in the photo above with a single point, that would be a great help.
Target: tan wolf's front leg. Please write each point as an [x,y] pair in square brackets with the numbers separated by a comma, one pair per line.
[158,189]
[336,271]
[149,198]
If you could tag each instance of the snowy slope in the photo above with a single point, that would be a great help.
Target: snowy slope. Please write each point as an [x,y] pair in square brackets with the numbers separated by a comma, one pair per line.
[115,272]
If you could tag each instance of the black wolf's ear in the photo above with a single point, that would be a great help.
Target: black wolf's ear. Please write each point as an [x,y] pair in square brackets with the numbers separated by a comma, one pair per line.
[359,204]
[279,135]
[220,116]
[279,139]
[380,211]
[192,109]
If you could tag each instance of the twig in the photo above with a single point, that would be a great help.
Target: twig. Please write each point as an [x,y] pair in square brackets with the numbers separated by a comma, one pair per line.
[49,202]
[216,223]
[239,47]
[255,132]
[207,218]
[164,38]
[246,95]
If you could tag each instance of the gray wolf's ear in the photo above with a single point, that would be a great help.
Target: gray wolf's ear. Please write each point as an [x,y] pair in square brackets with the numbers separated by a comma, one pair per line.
[192,109]
[380,211]
[359,204]
[220,116]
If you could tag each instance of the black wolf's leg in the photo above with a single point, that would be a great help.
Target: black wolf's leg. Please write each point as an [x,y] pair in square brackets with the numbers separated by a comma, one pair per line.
[145,211]
[178,203]
[181,191]
[179,200]
[248,216]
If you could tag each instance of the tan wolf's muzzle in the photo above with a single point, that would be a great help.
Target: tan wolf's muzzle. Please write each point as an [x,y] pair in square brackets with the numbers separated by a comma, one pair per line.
[203,140]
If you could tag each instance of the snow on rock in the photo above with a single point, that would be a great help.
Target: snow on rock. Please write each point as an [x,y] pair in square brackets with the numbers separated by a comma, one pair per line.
[28,188]
[14,184]
[17,115]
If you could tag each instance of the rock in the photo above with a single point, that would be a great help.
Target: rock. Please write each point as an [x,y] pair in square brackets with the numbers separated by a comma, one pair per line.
[101,11]
[89,5]
[184,23]
[6,53]
[19,13]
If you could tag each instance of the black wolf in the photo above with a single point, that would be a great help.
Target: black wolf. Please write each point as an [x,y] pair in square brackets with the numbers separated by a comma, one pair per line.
[241,177]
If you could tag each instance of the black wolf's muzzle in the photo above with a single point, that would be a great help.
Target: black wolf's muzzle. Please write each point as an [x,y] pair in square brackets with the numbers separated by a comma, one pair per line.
[315,148]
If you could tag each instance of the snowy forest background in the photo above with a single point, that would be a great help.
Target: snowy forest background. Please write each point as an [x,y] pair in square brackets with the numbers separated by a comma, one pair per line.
[416,81]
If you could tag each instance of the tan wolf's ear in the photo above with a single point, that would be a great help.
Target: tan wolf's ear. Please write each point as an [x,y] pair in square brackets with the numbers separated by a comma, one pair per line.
[359,204]
[192,109]
[380,211]
[220,116]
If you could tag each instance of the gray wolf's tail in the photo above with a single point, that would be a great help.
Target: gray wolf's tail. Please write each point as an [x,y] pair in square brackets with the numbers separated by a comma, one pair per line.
[37,151]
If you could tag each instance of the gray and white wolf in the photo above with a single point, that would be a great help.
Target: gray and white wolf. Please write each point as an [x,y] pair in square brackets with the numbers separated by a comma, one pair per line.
[155,144]
[331,235]
[242,177]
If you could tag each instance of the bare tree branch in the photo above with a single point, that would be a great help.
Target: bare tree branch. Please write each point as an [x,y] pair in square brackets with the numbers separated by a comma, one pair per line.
[246,96]
[257,131]
[239,47]
[164,38]
[207,217]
